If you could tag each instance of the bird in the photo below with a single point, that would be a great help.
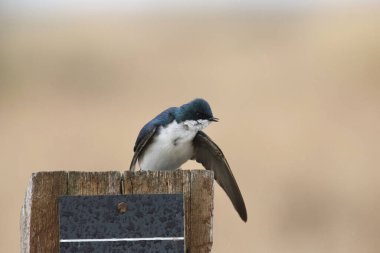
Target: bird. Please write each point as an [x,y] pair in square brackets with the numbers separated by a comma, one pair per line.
[175,136]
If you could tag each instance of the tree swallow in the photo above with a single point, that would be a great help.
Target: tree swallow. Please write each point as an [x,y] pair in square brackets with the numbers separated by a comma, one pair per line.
[174,136]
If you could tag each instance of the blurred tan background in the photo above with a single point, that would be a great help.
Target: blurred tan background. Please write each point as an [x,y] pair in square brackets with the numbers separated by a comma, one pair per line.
[297,93]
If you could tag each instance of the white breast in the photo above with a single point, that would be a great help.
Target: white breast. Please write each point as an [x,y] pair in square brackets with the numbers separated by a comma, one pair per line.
[172,146]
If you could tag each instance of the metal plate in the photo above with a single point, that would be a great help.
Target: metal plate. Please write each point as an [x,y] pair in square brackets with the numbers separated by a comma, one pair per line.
[122,223]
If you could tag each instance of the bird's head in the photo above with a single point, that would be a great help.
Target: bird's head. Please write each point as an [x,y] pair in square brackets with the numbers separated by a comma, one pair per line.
[196,110]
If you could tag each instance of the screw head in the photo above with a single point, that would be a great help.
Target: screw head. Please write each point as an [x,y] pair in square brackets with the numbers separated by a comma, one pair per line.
[122,207]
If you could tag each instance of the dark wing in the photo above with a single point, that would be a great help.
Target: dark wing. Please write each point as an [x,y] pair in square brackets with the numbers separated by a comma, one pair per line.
[144,137]
[211,157]
[148,131]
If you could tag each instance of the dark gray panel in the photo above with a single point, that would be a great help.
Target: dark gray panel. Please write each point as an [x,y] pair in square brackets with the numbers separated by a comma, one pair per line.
[122,216]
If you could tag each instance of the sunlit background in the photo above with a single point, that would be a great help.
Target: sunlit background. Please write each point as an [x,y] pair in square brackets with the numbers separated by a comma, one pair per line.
[296,85]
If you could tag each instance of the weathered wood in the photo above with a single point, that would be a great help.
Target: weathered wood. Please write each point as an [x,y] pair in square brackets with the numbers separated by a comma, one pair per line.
[39,214]
[94,183]
[201,200]
[197,187]
[39,217]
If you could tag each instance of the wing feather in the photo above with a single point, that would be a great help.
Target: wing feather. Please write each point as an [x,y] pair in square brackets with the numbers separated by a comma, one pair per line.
[211,157]
[140,145]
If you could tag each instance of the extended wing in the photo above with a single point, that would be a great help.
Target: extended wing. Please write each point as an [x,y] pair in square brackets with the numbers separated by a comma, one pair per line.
[211,157]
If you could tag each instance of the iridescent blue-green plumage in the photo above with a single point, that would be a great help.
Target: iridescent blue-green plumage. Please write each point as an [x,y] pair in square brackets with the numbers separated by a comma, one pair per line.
[194,110]
[162,119]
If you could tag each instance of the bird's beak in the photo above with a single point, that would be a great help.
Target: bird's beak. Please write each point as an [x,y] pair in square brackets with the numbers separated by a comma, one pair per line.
[213,119]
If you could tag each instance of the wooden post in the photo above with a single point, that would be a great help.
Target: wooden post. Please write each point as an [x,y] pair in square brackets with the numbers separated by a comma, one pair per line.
[39,214]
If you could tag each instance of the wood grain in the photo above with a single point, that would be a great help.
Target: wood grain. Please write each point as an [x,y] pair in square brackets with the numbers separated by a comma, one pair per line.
[202,205]
[94,183]
[39,217]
